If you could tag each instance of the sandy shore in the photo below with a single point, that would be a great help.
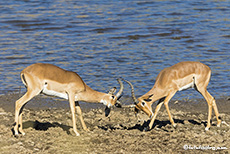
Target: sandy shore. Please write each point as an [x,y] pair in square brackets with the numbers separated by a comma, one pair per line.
[49,129]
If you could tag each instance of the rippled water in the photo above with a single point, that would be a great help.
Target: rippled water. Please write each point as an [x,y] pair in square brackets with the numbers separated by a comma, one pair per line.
[102,40]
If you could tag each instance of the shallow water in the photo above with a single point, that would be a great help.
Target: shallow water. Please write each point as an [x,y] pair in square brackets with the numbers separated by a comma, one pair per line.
[103,40]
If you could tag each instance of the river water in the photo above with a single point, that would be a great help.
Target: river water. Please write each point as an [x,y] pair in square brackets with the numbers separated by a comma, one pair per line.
[102,40]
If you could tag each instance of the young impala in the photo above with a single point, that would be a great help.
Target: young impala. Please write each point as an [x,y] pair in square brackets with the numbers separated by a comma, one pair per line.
[52,80]
[178,77]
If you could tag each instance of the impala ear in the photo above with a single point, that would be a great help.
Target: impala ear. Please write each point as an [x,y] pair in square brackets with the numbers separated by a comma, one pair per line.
[148,98]
[112,91]
[150,95]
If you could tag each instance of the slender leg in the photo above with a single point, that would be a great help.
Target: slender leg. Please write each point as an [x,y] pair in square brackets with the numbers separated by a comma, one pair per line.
[166,101]
[201,86]
[213,102]
[218,118]
[209,99]
[19,104]
[155,114]
[209,117]
[161,101]
[72,108]
[20,123]
[79,113]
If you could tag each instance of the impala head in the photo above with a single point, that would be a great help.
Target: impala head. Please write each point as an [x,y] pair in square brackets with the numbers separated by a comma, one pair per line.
[141,103]
[111,99]
[144,105]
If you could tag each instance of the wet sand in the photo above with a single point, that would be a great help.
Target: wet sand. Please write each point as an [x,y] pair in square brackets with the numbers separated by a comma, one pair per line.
[49,129]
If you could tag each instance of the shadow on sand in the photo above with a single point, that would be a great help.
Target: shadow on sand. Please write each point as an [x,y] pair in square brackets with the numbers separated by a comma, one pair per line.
[157,123]
[44,126]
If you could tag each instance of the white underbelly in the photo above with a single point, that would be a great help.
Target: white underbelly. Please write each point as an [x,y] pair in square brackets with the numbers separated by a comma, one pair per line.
[190,85]
[54,93]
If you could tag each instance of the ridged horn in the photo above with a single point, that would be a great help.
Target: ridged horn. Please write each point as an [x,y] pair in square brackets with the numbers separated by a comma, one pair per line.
[132,92]
[118,95]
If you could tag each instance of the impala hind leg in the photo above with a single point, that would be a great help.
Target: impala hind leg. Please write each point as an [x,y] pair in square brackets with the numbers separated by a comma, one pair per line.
[218,118]
[208,99]
[79,113]
[211,105]
[19,104]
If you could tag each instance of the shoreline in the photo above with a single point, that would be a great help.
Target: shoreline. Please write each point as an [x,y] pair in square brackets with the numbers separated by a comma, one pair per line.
[7,102]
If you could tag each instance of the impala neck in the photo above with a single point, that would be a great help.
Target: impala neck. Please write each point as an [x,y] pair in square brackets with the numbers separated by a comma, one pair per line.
[91,96]
[155,93]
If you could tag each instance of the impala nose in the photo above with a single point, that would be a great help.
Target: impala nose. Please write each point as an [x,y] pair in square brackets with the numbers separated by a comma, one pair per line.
[107,111]
[151,116]
[136,110]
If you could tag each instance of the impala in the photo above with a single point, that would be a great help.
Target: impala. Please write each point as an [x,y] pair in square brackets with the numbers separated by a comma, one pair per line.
[52,80]
[178,77]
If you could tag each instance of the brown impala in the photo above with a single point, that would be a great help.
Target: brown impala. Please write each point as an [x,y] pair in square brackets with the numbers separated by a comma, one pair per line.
[52,80]
[178,77]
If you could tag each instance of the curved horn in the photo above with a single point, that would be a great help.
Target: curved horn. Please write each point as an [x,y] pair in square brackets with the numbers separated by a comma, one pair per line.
[118,95]
[132,91]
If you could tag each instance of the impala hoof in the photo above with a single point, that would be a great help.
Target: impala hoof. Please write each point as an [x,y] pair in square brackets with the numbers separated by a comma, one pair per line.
[147,128]
[77,134]
[174,126]
[22,132]
[15,134]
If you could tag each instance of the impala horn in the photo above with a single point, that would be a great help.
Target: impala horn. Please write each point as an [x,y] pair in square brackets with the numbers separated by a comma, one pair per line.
[132,92]
[119,93]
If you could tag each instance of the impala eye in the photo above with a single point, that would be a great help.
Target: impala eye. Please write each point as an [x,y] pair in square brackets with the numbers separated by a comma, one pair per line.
[143,104]
[113,97]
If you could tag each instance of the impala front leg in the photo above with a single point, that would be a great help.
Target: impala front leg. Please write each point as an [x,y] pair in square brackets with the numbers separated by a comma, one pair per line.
[72,108]
[155,115]
[166,101]
[79,113]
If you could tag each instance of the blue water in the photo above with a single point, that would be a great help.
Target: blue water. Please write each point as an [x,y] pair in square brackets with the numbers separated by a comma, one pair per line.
[103,40]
